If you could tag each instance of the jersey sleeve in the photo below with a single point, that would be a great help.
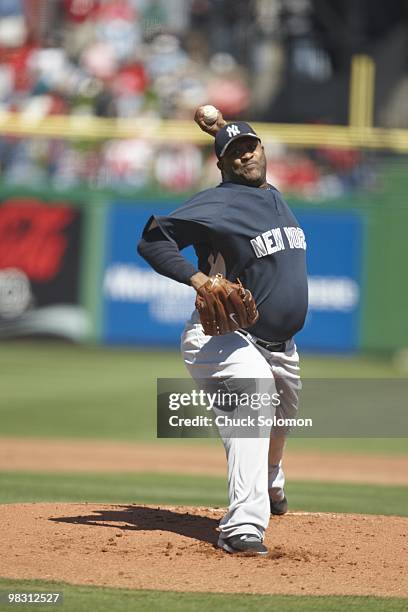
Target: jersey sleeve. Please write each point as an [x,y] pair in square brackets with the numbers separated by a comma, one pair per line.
[192,222]
[164,256]
[165,236]
[181,232]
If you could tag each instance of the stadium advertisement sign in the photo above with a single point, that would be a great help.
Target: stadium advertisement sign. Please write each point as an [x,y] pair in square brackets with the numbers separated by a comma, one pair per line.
[139,305]
[142,307]
[334,256]
[40,269]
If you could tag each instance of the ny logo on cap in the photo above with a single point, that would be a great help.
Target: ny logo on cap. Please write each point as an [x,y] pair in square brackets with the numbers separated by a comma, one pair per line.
[233,130]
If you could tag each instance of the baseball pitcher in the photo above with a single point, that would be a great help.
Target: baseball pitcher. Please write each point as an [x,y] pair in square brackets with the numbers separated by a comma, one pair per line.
[251,286]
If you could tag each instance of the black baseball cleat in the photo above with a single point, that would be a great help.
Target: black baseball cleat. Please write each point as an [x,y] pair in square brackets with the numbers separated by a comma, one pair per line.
[279,507]
[244,543]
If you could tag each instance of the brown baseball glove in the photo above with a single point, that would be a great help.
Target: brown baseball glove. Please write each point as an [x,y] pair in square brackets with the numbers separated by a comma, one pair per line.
[224,306]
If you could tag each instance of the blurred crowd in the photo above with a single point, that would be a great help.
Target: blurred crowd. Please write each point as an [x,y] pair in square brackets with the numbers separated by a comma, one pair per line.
[121,58]
[153,59]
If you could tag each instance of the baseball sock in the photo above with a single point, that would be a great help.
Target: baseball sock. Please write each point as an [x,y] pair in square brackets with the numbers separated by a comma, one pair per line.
[275,482]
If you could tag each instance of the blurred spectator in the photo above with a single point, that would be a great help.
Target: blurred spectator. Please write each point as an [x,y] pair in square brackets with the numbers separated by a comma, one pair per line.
[178,168]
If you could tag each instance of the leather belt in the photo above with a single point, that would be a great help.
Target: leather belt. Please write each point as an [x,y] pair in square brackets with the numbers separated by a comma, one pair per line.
[274,347]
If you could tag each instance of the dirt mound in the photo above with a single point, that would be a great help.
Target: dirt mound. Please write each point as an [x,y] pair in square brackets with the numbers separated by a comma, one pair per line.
[174,548]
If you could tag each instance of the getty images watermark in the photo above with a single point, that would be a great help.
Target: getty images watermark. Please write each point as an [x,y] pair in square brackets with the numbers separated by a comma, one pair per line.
[240,413]
[221,400]
[249,407]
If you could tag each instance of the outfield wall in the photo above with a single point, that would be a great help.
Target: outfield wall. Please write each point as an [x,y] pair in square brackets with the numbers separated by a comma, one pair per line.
[69,268]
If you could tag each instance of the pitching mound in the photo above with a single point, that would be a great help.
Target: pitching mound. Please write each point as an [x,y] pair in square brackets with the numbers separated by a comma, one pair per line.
[173,548]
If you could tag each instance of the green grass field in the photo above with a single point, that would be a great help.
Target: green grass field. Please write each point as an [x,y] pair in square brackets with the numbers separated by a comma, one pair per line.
[193,490]
[64,391]
[83,599]
[99,599]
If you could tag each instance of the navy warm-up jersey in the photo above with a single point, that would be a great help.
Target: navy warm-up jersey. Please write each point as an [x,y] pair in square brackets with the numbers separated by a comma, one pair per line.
[251,234]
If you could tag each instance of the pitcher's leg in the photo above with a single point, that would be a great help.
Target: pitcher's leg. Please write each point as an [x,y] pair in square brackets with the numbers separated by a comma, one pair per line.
[276,476]
[248,510]
[233,357]
[286,371]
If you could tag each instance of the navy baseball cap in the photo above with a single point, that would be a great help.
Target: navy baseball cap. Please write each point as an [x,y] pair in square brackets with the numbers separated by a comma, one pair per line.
[231,132]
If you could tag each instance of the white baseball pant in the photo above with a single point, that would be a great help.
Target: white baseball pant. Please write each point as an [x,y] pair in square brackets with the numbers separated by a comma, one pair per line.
[250,480]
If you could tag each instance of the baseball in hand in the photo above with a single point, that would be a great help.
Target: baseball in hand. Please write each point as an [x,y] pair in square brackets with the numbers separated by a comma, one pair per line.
[209,114]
